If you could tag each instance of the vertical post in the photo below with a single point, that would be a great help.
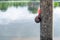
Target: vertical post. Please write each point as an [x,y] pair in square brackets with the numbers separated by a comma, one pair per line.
[46,17]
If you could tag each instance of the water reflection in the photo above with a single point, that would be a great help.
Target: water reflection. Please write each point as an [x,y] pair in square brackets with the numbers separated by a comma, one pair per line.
[32,6]
[18,24]
[56,21]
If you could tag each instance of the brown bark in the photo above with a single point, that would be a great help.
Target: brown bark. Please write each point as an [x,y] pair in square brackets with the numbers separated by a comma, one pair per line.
[46,17]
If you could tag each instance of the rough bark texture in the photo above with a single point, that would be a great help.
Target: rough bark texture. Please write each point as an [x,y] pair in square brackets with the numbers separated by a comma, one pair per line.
[46,17]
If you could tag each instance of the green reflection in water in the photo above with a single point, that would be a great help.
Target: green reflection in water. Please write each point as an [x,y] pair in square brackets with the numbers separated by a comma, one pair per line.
[32,6]
[56,4]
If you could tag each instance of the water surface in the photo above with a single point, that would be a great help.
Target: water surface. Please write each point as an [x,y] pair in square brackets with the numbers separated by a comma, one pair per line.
[18,23]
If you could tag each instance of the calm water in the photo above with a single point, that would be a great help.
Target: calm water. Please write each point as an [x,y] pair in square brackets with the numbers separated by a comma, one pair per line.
[56,17]
[19,22]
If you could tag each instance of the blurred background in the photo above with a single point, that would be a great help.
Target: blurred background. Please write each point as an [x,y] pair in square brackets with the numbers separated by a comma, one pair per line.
[17,21]
[56,18]
[19,0]
[25,0]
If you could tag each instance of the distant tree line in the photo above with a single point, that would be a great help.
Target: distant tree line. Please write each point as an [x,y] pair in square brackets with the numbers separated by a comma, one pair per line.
[56,4]
[19,0]
[32,6]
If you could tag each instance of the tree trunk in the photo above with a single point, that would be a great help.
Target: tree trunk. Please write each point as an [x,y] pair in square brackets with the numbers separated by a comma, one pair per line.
[46,17]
